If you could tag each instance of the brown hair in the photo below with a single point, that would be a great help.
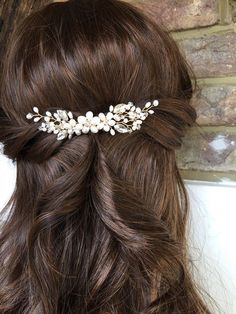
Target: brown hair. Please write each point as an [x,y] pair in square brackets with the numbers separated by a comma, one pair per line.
[96,223]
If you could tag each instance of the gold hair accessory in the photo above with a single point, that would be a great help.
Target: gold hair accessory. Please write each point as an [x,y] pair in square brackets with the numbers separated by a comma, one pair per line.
[123,118]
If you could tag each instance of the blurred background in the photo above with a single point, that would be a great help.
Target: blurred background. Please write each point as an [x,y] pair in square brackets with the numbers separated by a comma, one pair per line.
[205,31]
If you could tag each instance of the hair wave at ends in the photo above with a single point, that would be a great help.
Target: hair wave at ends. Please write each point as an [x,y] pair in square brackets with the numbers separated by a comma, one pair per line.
[96,223]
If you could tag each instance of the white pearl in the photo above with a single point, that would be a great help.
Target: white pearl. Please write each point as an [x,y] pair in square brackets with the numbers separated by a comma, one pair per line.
[81,119]
[132,114]
[62,124]
[72,122]
[95,120]
[156,102]
[94,129]
[64,115]
[77,131]
[111,122]
[89,115]
[116,117]
[106,128]
[70,115]
[100,125]
[109,115]
[102,116]
[67,126]
[112,132]
[78,126]
[29,116]
[85,129]
[47,119]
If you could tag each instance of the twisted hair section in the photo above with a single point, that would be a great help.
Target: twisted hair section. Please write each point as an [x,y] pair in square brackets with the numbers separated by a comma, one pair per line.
[97,223]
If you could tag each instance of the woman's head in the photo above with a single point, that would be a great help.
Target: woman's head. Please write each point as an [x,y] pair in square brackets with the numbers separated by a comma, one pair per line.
[96,223]
[87,55]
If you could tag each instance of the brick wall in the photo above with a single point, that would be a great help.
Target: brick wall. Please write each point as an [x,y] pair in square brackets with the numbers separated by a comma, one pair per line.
[205,32]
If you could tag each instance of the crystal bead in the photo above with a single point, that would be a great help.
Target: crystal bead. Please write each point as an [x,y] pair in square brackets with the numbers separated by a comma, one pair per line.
[61,135]
[121,128]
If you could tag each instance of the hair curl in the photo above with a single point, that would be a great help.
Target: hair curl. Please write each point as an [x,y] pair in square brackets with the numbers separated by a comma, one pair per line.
[96,223]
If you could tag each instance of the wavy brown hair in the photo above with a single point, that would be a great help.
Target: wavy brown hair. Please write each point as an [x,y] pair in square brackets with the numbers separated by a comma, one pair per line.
[96,224]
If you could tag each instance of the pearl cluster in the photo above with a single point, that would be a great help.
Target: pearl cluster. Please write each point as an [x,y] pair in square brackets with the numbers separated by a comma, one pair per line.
[123,118]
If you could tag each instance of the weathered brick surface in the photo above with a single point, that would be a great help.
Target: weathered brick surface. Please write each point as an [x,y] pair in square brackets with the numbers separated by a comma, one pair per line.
[181,14]
[215,105]
[208,151]
[211,55]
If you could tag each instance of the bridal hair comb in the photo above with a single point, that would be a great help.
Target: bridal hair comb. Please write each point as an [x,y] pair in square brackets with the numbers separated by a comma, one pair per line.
[123,118]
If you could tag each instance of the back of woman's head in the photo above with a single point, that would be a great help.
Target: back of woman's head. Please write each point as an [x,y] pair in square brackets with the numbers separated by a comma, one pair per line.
[96,222]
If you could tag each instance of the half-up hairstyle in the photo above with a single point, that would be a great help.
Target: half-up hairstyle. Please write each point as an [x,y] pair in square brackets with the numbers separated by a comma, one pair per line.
[96,224]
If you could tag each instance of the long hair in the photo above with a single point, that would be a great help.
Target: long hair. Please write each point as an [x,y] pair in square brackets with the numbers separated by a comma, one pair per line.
[97,223]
